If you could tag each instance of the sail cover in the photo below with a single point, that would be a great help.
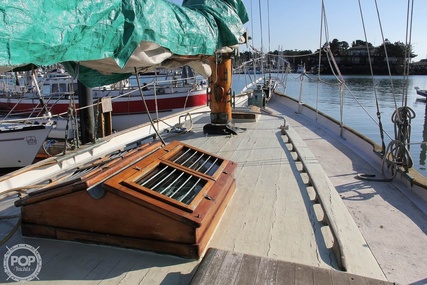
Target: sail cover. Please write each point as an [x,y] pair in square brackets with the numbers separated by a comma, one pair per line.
[103,41]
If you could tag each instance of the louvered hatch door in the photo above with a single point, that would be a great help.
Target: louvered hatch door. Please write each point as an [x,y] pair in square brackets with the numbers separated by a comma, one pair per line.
[184,191]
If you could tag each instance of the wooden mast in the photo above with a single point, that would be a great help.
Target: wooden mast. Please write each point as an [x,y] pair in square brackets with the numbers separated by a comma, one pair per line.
[220,95]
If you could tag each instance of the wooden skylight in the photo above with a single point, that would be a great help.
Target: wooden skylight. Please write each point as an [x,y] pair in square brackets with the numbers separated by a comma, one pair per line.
[169,201]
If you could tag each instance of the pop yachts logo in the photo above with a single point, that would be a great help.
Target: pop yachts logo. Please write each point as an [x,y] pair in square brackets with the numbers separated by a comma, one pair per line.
[22,262]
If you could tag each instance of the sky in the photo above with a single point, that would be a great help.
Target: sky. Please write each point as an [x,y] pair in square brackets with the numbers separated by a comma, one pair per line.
[295,24]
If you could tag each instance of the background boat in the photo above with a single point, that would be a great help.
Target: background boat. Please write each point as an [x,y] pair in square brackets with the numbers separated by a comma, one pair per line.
[164,93]
[420,91]
[300,68]
[21,140]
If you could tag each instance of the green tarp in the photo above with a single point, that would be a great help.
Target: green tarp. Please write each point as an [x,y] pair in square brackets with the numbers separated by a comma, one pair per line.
[107,37]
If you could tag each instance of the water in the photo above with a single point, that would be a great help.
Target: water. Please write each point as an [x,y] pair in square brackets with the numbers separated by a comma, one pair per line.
[359,105]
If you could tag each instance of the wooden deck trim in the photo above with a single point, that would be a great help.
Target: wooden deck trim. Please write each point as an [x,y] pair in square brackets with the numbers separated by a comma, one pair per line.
[224,267]
[348,241]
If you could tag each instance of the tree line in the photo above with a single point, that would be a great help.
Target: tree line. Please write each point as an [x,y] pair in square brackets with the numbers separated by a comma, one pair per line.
[351,59]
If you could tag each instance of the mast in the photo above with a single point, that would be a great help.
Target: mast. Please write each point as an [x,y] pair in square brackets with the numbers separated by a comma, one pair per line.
[39,94]
[220,95]
[87,116]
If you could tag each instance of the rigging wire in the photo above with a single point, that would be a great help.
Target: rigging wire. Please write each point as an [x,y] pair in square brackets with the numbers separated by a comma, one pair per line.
[269,30]
[373,80]
[398,151]
[252,22]
[409,16]
[253,37]
[386,56]
[333,65]
[262,36]
[260,24]
[322,13]
[269,40]
[146,107]
[397,154]
[72,114]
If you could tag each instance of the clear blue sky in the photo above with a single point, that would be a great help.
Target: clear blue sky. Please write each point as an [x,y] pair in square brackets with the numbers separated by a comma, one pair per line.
[295,24]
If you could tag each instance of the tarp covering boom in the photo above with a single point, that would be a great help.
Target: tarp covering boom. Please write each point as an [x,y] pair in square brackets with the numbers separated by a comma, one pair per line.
[108,39]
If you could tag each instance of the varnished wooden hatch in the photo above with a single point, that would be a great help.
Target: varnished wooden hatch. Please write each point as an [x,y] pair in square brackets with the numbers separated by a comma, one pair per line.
[170,201]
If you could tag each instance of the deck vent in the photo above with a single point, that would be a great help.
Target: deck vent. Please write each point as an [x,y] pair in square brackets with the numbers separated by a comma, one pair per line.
[197,161]
[173,183]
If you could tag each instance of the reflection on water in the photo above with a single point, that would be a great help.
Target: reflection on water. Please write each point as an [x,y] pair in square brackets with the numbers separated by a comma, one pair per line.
[359,106]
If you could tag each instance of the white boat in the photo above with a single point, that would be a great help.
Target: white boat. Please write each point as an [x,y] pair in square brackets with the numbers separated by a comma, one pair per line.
[21,138]
[301,68]
[163,93]
[20,141]
[258,194]
[421,91]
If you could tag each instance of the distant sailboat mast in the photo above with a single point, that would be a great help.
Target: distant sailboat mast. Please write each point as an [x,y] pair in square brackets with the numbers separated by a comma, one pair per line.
[269,40]
[260,25]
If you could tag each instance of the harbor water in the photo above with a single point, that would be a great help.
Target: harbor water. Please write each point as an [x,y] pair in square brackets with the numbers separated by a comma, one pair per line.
[359,107]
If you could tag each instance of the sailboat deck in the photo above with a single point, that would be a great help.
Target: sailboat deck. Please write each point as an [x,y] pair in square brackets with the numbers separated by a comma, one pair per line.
[274,214]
